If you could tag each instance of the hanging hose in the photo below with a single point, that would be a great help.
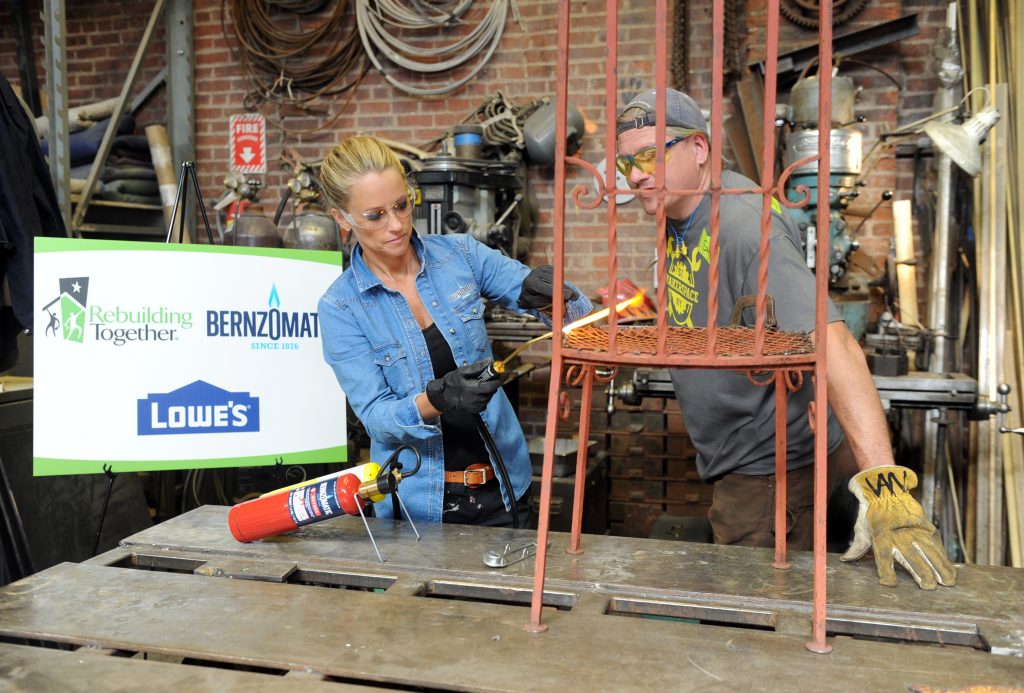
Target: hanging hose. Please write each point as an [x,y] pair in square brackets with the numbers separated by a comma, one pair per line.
[499,465]
[293,68]
[381,21]
[281,205]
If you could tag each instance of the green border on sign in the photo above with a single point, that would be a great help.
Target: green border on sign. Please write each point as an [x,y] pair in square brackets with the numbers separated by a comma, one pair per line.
[63,245]
[49,466]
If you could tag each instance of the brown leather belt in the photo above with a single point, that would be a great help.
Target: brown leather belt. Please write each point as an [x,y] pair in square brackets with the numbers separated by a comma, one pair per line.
[473,476]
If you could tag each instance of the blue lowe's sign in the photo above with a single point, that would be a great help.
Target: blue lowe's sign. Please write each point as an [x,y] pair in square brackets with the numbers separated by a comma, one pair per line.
[198,408]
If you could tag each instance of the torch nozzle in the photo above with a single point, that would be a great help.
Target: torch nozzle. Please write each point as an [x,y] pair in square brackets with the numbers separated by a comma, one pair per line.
[493,370]
[380,486]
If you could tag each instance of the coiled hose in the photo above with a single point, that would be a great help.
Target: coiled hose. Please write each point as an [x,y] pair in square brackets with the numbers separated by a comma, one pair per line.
[382,23]
[293,67]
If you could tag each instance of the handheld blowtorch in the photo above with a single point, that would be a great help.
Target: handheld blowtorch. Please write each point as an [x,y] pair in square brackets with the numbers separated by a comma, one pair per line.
[342,493]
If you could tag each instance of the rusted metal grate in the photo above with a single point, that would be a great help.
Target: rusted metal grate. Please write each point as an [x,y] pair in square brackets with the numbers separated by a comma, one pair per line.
[689,341]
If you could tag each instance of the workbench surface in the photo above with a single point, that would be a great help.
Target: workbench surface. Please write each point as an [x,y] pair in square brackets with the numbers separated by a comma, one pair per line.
[182,606]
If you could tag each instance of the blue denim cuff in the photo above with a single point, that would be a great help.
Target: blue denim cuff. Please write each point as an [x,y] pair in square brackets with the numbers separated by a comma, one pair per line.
[407,415]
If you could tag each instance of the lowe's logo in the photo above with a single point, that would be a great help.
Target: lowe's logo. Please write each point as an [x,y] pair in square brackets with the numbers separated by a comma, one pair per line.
[198,408]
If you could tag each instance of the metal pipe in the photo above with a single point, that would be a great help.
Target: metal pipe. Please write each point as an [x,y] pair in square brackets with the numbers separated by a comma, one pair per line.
[767,170]
[557,314]
[660,220]
[611,95]
[581,462]
[818,642]
[57,105]
[781,392]
[717,132]
[938,314]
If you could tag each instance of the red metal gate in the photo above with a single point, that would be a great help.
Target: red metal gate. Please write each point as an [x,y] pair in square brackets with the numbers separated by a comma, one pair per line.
[784,356]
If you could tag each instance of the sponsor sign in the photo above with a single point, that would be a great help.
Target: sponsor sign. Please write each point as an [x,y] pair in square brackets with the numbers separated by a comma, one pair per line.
[150,356]
[249,143]
[198,408]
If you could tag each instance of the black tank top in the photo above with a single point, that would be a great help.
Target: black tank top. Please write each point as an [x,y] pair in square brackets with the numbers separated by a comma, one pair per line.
[462,443]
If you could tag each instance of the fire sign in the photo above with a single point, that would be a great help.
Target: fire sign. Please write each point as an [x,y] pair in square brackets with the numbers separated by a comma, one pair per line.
[249,143]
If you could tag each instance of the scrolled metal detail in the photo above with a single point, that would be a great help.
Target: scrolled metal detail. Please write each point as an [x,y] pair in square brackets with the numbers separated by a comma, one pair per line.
[780,186]
[574,374]
[564,405]
[580,190]
[794,379]
[753,375]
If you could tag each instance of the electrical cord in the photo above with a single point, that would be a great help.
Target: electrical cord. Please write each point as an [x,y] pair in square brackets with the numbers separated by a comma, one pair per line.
[381,23]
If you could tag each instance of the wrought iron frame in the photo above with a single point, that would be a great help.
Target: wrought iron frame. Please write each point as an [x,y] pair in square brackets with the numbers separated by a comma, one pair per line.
[784,371]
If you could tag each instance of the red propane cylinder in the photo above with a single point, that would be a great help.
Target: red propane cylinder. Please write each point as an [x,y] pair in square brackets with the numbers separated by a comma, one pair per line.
[283,512]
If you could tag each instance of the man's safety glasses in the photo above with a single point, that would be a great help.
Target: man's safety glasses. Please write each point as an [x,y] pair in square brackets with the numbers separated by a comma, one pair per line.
[373,219]
[643,159]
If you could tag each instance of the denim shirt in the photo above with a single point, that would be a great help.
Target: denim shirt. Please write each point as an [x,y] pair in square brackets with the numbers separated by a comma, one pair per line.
[377,350]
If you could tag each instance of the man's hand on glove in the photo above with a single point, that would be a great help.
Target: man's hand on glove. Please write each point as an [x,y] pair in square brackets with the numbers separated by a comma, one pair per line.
[893,524]
[538,289]
[460,390]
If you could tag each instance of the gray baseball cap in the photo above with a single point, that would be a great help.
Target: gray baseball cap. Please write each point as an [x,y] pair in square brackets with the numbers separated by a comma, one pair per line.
[680,111]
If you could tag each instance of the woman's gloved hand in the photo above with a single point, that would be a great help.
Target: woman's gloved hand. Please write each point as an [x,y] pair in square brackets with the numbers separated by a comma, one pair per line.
[538,289]
[893,525]
[460,390]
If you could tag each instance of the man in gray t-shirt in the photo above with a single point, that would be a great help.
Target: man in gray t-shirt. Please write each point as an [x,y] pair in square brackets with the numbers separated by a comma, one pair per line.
[731,421]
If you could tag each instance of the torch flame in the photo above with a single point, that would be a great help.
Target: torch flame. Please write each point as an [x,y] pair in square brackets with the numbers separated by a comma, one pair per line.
[635,300]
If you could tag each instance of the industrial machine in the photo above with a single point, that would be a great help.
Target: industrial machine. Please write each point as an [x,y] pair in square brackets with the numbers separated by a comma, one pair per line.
[846,152]
[480,197]
[849,286]
[478,185]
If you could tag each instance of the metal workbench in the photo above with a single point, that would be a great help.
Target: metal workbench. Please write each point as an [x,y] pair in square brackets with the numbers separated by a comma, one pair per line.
[201,611]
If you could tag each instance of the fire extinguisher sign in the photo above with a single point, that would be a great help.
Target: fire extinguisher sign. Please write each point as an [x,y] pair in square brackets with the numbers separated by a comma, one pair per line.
[249,143]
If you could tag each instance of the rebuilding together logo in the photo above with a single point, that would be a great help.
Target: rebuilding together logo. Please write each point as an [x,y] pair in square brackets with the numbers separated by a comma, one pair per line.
[114,324]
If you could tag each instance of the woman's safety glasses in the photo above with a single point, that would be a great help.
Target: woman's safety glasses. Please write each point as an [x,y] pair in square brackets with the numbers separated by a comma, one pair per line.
[373,219]
[643,159]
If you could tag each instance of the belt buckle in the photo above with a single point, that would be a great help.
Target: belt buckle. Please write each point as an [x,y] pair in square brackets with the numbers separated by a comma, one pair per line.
[482,471]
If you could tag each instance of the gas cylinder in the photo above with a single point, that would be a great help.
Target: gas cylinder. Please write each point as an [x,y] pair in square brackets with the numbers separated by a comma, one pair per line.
[312,229]
[253,229]
[342,493]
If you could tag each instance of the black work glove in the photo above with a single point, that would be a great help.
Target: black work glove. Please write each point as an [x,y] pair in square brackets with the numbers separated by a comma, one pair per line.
[538,288]
[460,390]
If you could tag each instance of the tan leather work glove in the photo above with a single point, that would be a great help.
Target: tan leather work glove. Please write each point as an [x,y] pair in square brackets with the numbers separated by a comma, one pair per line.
[893,523]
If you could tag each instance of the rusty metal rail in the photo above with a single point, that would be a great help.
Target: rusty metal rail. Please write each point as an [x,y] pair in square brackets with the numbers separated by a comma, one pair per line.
[759,349]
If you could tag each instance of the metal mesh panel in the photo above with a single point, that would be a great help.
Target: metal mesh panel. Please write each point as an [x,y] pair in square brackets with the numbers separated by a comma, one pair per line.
[689,341]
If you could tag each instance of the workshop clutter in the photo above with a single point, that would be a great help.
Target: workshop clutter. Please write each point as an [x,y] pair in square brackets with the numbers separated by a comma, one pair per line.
[127,174]
[420,49]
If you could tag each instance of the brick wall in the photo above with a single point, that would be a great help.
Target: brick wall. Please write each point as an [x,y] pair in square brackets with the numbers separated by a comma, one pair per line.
[102,36]
[101,41]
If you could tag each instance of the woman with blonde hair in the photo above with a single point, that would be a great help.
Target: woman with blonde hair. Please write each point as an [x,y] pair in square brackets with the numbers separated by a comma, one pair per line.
[403,330]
